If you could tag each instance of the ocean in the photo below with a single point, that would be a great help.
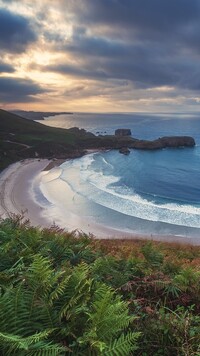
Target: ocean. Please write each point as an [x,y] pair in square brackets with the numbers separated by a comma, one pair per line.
[146,192]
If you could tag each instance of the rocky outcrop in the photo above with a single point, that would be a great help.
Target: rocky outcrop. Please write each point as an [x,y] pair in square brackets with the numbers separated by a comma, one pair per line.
[114,142]
[123,132]
[177,141]
[164,142]
[124,151]
[122,140]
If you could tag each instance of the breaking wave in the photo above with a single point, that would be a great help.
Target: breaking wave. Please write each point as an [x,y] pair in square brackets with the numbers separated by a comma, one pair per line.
[160,186]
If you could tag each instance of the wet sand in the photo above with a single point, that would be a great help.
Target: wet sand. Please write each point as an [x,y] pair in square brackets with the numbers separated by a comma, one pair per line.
[15,191]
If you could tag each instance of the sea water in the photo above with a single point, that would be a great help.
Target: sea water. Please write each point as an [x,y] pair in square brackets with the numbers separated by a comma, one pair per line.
[147,192]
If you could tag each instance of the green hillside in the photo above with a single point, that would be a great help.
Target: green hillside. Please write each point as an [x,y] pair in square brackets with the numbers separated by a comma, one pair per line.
[21,138]
[30,132]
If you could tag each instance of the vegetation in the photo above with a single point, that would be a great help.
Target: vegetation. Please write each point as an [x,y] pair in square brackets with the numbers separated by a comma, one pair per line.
[21,138]
[69,294]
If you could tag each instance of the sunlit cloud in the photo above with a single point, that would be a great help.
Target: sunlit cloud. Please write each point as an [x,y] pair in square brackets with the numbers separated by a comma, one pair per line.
[82,55]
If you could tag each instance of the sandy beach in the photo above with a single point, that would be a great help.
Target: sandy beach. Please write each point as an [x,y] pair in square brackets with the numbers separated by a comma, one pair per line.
[17,197]
[15,191]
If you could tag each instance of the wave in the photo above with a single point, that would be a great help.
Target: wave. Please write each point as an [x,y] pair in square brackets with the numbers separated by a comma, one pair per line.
[97,178]
[136,206]
[94,182]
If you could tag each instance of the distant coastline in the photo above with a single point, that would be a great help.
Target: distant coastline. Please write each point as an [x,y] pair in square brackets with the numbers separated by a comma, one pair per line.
[38,115]
[22,139]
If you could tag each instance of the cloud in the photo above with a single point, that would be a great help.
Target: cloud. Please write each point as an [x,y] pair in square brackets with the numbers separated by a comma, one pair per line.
[154,15]
[129,51]
[150,43]
[76,71]
[6,68]
[146,65]
[16,32]
[14,90]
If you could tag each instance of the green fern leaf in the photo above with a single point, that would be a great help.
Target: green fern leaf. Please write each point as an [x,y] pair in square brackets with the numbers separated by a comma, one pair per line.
[123,346]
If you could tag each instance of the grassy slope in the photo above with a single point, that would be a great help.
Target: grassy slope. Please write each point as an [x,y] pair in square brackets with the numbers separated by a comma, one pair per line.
[30,131]
[47,141]
[21,138]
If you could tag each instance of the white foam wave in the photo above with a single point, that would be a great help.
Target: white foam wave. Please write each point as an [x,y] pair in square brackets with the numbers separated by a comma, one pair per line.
[136,206]
[98,187]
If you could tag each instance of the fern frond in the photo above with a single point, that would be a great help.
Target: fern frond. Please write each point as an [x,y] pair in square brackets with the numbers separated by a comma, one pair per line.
[110,313]
[123,346]
[12,342]
[59,290]
[33,345]
[40,274]
[77,288]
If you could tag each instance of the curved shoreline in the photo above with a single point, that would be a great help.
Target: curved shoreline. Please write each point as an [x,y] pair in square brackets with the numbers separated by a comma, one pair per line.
[17,197]
[15,187]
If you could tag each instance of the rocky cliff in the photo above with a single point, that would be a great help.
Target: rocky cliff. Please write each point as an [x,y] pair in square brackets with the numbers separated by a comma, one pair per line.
[115,142]
[163,142]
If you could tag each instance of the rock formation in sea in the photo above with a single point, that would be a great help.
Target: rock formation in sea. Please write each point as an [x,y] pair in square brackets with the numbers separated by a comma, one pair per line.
[124,151]
[163,142]
[118,142]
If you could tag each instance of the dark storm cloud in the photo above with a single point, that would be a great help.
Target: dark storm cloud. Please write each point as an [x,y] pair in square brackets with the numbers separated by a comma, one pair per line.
[15,32]
[145,43]
[146,74]
[154,15]
[145,64]
[150,43]
[6,68]
[97,46]
[77,71]
[13,90]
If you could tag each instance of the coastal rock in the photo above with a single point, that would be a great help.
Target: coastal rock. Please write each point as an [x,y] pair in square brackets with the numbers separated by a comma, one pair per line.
[123,132]
[178,141]
[164,142]
[124,151]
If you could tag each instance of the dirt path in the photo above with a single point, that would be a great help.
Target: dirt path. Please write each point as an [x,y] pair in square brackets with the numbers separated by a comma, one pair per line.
[17,143]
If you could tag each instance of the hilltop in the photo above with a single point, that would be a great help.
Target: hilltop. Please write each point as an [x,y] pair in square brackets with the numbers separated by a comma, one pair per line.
[38,115]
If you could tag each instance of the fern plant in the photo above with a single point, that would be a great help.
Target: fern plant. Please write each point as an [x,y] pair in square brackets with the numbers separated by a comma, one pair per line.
[50,311]
[107,319]
[153,257]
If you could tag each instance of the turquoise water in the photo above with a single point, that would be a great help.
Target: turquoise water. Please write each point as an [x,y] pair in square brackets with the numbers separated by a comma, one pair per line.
[154,192]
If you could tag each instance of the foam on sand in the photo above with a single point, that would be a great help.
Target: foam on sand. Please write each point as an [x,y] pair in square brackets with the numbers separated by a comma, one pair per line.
[78,195]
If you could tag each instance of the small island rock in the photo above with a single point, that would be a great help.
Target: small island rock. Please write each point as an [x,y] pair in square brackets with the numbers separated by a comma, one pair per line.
[124,151]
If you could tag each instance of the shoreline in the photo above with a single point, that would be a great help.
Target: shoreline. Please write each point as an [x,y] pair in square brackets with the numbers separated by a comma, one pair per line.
[15,191]
[17,197]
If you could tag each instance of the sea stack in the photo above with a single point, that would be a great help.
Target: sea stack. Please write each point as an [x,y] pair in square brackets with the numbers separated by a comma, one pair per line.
[124,151]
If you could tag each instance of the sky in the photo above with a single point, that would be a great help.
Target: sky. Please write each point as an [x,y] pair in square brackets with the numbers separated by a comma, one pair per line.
[100,55]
